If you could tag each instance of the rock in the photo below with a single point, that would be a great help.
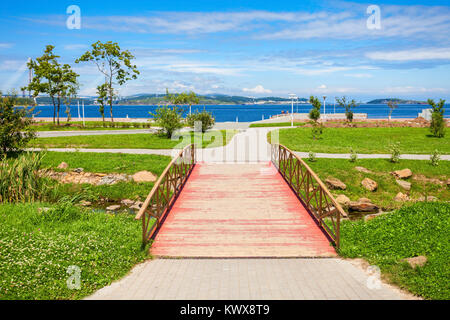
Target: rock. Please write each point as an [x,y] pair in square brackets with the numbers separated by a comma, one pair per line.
[429,198]
[366,200]
[139,203]
[63,165]
[78,170]
[422,178]
[416,261]
[362,205]
[335,184]
[112,179]
[135,207]
[144,176]
[402,174]
[369,184]
[343,200]
[113,208]
[400,197]
[85,203]
[448,182]
[362,169]
[127,202]
[404,184]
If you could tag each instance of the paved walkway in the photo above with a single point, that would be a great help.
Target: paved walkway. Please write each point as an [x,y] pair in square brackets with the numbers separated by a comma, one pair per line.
[248,279]
[248,145]
[239,210]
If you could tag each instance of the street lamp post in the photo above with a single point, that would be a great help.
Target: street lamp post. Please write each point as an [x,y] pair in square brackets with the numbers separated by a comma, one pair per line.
[324,106]
[292,96]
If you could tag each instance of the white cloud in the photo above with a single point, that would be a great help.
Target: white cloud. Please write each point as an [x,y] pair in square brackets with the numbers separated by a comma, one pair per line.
[322,86]
[76,47]
[258,89]
[411,55]
[6,45]
[358,75]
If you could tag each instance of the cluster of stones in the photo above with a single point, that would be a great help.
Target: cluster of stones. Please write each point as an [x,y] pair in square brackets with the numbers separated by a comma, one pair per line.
[79,176]
[127,203]
[364,204]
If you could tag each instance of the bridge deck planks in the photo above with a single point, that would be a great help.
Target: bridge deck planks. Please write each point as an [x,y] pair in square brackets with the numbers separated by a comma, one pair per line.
[239,210]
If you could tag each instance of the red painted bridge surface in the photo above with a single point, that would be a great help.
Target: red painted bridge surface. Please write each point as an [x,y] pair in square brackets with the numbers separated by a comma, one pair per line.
[239,210]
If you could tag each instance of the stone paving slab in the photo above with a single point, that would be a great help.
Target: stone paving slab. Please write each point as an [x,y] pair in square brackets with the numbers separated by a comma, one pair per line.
[247,279]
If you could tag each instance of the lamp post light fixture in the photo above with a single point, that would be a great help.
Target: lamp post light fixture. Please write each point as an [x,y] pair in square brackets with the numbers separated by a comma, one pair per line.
[292,96]
[324,106]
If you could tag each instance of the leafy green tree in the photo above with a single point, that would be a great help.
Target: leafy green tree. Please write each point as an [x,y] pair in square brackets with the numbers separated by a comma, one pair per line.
[114,63]
[169,119]
[348,106]
[314,113]
[205,117]
[69,93]
[15,129]
[51,78]
[102,99]
[437,125]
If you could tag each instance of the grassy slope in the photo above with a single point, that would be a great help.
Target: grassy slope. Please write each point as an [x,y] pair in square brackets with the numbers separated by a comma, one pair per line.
[387,187]
[365,140]
[421,229]
[37,249]
[133,141]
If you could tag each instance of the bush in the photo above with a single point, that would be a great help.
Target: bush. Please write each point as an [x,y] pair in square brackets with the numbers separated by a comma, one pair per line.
[15,129]
[353,155]
[437,125]
[395,152]
[435,158]
[169,119]
[312,156]
[205,117]
[317,130]
[314,113]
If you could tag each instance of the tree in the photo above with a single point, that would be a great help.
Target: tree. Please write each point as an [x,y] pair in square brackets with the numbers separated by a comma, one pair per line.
[169,119]
[314,113]
[69,92]
[348,105]
[15,130]
[114,63]
[392,106]
[437,125]
[51,78]
[102,92]
[205,117]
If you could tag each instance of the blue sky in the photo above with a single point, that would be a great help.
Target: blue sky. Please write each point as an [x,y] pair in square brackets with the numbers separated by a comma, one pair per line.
[250,48]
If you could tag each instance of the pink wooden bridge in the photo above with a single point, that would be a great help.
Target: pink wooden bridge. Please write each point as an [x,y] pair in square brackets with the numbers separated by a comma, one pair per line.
[268,209]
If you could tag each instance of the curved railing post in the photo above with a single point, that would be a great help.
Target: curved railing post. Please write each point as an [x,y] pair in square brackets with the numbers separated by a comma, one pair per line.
[325,208]
[165,191]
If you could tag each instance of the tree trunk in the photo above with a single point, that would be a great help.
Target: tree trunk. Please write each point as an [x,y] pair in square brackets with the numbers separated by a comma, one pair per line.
[54,109]
[111,99]
[59,106]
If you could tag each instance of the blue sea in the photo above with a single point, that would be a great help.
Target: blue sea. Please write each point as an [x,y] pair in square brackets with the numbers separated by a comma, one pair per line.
[241,113]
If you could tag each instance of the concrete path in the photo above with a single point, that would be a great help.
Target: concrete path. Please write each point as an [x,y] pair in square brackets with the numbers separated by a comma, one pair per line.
[249,145]
[248,279]
[239,210]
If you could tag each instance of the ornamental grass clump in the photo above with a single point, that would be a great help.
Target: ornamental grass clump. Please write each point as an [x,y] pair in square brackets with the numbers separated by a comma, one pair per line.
[20,180]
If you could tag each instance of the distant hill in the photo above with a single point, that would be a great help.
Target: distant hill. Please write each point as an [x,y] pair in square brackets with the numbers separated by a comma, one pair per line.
[398,101]
[209,99]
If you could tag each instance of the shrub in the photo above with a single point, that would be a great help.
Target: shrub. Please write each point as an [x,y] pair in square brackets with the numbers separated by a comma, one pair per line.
[435,158]
[15,129]
[205,117]
[169,119]
[317,130]
[395,152]
[314,113]
[353,155]
[20,180]
[312,157]
[349,106]
[437,125]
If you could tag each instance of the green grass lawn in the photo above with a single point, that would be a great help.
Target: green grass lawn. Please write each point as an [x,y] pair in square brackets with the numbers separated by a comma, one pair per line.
[134,141]
[36,250]
[277,124]
[364,140]
[387,187]
[421,229]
